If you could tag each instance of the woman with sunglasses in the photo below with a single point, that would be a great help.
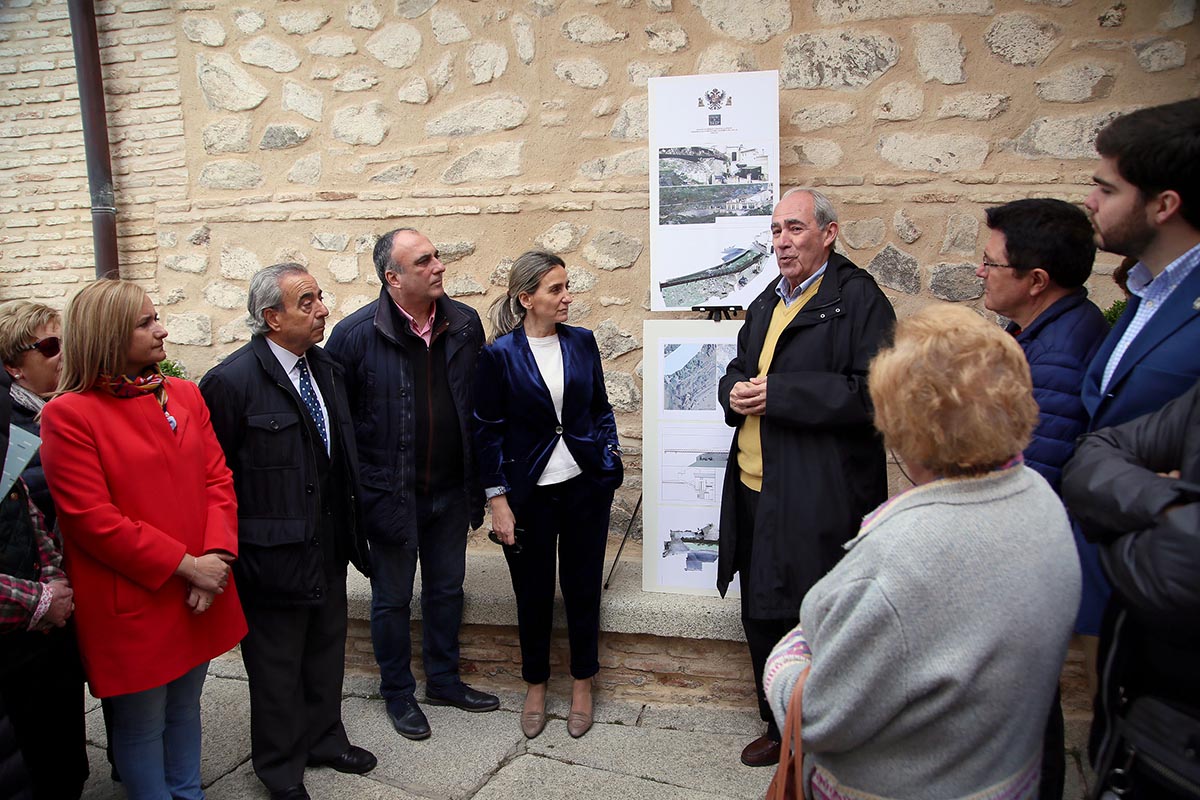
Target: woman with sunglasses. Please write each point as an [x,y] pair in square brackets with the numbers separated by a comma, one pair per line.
[148,516]
[41,679]
[31,350]
[548,455]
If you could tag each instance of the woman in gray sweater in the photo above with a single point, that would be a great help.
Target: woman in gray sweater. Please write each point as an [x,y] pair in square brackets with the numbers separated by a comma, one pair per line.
[936,643]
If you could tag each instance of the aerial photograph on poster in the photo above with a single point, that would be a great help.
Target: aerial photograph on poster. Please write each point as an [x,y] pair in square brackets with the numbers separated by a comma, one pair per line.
[732,263]
[698,184]
[691,372]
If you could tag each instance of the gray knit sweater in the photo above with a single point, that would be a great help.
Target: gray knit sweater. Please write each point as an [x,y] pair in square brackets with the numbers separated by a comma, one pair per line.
[938,640]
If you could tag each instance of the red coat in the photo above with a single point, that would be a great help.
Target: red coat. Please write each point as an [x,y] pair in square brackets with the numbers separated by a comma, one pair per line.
[132,498]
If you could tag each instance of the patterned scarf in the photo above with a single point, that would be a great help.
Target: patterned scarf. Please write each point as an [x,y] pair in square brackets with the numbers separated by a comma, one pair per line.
[26,399]
[124,387]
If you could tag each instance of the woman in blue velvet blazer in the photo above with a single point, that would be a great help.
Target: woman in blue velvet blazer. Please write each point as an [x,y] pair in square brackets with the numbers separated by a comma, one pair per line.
[549,459]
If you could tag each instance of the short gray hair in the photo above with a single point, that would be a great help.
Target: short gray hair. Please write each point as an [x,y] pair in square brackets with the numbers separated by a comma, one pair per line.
[382,254]
[823,211]
[265,293]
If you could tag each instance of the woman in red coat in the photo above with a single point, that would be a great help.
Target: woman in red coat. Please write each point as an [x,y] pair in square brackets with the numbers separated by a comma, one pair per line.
[147,512]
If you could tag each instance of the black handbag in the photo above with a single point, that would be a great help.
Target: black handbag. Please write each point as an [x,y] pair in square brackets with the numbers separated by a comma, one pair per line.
[1155,754]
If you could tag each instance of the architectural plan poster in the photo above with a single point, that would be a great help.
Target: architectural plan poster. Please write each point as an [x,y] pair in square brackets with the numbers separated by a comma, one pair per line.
[714,178]
[686,445]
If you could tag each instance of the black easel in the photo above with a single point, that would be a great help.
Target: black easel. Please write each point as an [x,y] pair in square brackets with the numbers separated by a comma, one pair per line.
[718,313]
[624,539]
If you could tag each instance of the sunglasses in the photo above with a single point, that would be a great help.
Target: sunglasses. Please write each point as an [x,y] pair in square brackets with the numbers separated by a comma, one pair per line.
[48,347]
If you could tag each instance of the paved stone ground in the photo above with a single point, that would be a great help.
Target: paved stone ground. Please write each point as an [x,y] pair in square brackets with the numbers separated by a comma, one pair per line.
[634,751]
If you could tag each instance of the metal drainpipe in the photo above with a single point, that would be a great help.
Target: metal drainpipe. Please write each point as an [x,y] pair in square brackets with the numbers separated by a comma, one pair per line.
[95,136]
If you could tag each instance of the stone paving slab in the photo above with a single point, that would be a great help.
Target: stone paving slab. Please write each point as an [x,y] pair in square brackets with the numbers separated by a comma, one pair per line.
[323,784]
[461,755]
[699,761]
[744,722]
[224,719]
[532,776]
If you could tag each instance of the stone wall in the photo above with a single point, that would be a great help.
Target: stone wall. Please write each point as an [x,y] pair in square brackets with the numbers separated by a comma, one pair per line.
[245,133]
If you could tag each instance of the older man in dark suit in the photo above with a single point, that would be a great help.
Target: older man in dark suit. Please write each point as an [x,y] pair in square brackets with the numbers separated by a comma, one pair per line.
[279,409]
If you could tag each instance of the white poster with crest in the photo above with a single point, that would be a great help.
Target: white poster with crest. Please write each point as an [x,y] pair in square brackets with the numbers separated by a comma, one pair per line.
[714,179]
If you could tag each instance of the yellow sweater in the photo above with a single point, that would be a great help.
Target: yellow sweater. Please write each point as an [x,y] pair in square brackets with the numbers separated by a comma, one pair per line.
[749,457]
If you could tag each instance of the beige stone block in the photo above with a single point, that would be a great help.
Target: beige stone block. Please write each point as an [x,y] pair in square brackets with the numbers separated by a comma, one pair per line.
[978,106]
[486,61]
[227,86]
[238,263]
[365,124]
[586,73]
[900,101]
[395,45]
[204,30]
[266,51]
[334,46]
[940,53]
[1158,53]
[753,21]
[1022,39]
[363,14]
[725,57]
[494,112]
[523,38]
[1077,83]
[592,30]
[301,23]
[306,102]
[666,37]
[190,328]
[836,59]
[1062,137]
[642,71]
[632,122]
[942,152]
[836,11]
[448,26]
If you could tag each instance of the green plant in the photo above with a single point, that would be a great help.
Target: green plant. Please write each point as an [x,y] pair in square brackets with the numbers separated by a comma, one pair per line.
[1114,311]
[172,369]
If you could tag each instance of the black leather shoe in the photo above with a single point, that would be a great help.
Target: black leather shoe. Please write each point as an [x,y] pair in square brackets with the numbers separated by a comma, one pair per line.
[355,761]
[291,793]
[408,719]
[464,697]
[762,752]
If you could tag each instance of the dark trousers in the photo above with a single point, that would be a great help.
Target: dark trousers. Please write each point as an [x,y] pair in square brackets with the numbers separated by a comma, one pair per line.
[574,516]
[295,659]
[44,699]
[761,634]
[1054,757]
[441,545]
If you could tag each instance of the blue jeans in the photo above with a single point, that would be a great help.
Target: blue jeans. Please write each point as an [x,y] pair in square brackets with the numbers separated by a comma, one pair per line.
[156,739]
[442,547]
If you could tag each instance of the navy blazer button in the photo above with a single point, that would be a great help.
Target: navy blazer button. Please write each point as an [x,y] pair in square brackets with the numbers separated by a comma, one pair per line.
[274,425]
[316,542]
[558,429]
[822,316]
[309,488]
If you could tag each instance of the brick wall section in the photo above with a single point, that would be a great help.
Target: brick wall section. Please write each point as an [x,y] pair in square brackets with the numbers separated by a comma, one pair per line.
[633,667]
[44,200]
[641,667]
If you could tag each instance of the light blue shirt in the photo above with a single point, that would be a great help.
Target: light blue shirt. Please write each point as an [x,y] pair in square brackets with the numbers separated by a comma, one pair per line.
[1153,293]
[787,296]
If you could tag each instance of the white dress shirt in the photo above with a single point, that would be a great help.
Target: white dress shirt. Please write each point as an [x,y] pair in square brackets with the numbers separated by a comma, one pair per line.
[289,360]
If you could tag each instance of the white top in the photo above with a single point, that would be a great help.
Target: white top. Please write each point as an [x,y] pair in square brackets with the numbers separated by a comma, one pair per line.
[288,360]
[548,354]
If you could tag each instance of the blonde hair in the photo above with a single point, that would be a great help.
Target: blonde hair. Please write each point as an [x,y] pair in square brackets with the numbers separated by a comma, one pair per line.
[19,319]
[97,327]
[953,393]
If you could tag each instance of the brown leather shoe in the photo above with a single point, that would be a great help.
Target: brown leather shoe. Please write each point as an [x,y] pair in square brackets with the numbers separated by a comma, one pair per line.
[579,723]
[762,752]
[533,723]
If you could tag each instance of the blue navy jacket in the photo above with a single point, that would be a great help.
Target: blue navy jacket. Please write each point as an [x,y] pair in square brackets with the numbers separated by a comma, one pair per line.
[1059,345]
[379,387]
[1162,363]
[516,428]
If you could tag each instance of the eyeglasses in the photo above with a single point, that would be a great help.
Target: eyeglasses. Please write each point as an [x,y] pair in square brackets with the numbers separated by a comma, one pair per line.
[988,266]
[48,347]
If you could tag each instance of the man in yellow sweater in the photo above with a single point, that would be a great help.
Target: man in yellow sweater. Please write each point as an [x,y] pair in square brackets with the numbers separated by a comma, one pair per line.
[809,464]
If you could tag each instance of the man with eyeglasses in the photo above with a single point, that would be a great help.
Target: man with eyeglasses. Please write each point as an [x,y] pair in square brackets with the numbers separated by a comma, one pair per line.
[1037,258]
